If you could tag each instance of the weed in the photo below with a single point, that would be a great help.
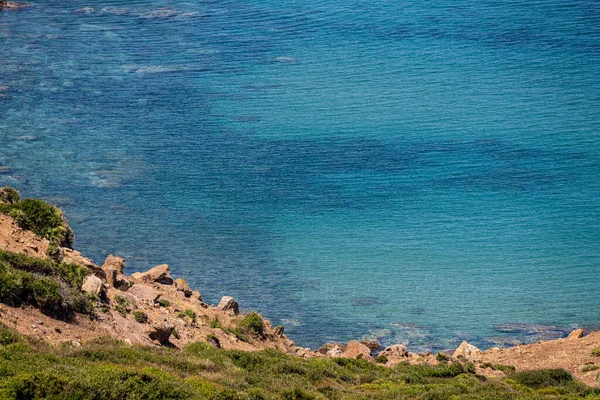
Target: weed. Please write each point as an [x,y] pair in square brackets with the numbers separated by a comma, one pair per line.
[596,352]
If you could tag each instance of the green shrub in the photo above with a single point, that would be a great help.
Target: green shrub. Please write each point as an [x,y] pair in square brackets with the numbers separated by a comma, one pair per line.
[251,324]
[140,317]
[596,352]
[71,274]
[122,305]
[49,294]
[36,215]
[442,357]
[469,367]
[542,378]
[381,359]
[9,195]
[164,303]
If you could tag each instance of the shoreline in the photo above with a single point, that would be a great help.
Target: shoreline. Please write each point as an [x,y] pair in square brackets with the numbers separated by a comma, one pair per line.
[152,308]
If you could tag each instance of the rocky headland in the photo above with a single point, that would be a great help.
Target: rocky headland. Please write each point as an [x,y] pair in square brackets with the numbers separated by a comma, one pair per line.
[154,309]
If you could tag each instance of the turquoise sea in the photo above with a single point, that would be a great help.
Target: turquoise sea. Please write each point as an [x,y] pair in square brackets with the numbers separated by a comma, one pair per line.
[409,171]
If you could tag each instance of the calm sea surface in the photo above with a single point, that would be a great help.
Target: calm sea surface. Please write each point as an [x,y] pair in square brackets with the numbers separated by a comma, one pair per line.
[409,171]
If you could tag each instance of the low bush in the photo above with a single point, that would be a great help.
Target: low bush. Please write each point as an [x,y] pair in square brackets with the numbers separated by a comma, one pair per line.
[596,352]
[251,324]
[164,303]
[381,359]
[543,378]
[140,317]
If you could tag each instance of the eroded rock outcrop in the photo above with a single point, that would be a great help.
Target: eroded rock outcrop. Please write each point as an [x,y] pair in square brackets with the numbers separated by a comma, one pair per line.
[228,303]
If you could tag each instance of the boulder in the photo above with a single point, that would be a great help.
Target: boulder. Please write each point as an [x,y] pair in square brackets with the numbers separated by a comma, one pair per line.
[395,350]
[228,303]
[466,350]
[162,332]
[182,286]
[159,274]
[92,285]
[144,293]
[113,268]
[576,334]
[114,263]
[355,349]
[331,349]
[371,344]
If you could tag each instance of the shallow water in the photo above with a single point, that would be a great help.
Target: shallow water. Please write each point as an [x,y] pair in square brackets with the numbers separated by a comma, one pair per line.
[411,172]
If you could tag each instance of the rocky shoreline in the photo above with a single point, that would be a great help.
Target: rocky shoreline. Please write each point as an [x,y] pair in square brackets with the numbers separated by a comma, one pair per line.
[153,308]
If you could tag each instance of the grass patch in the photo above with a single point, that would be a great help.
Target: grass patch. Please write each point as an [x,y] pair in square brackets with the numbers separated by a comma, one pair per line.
[596,352]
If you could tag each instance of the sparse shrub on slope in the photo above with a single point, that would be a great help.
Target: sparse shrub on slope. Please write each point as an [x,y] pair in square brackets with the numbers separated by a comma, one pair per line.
[36,215]
[52,287]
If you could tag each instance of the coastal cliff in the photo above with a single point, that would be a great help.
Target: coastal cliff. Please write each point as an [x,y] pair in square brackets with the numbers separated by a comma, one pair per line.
[53,298]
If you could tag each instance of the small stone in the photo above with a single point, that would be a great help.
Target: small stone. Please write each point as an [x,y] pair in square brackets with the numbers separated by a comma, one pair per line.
[228,303]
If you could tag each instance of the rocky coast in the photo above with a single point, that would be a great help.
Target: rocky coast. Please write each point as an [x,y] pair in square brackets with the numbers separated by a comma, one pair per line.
[153,309]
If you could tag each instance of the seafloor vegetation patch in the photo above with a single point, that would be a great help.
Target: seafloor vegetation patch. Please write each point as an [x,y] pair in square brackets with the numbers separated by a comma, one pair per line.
[109,369]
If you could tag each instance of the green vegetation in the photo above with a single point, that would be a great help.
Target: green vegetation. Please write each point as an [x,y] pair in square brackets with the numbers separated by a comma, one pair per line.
[442,357]
[52,287]
[252,325]
[381,359]
[215,323]
[164,303]
[122,305]
[596,352]
[589,367]
[189,314]
[140,317]
[9,195]
[109,369]
[36,215]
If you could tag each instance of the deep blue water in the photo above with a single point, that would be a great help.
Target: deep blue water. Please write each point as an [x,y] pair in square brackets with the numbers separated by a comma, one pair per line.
[417,172]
